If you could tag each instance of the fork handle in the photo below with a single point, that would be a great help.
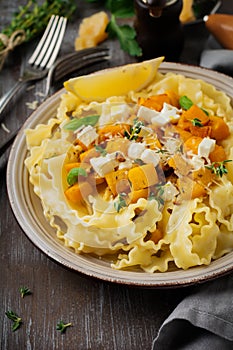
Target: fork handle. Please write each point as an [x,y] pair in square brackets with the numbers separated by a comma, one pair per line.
[8,96]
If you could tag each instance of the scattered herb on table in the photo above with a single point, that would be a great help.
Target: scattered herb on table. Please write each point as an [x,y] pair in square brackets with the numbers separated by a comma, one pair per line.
[17,321]
[24,291]
[61,326]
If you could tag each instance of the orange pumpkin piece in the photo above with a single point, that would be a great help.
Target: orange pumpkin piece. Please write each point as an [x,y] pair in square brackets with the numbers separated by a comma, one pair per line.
[203,131]
[78,192]
[183,134]
[218,154]
[194,112]
[87,155]
[192,144]
[142,176]
[154,102]
[136,195]
[114,180]
[113,130]
[156,235]
[219,129]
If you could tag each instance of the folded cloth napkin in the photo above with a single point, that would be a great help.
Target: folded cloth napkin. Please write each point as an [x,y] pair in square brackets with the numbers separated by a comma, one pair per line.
[203,320]
[220,60]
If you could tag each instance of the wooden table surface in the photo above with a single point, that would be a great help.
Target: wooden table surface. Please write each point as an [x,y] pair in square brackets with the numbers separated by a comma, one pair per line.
[104,315]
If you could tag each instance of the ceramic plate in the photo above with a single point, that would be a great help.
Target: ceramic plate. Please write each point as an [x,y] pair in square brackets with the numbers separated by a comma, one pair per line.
[28,211]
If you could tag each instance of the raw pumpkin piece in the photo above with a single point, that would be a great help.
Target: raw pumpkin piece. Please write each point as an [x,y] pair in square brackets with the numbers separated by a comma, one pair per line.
[78,192]
[143,176]
[219,129]
[92,31]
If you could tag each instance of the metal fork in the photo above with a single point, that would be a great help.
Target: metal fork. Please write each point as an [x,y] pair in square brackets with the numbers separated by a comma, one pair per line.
[65,66]
[41,60]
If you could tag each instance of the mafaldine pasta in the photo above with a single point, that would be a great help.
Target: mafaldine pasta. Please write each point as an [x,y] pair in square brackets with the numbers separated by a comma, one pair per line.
[144,179]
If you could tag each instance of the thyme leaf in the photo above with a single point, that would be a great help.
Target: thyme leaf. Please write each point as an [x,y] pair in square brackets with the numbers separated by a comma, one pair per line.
[61,326]
[17,321]
[24,291]
[219,168]
[121,202]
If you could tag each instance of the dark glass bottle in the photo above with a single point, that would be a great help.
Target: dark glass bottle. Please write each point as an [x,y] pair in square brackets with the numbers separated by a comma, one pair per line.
[158,27]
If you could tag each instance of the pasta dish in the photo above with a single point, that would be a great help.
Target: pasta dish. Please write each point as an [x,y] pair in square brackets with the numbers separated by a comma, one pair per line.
[143,178]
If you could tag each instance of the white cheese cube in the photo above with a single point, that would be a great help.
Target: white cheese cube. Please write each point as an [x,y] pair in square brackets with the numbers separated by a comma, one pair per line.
[150,156]
[147,113]
[170,191]
[135,150]
[119,113]
[103,165]
[206,146]
[87,135]
[161,119]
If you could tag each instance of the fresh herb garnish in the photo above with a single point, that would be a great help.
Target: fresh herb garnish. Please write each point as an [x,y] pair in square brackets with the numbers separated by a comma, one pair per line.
[61,326]
[197,122]
[124,33]
[158,195]
[76,123]
[17,321]
[74,173]
[185,102]
[126,36]
[219,168]
[134,130]
[24,291]
[121,202]
[100,149]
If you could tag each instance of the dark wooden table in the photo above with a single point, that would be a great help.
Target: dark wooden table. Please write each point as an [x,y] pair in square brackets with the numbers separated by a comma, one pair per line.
[104,316]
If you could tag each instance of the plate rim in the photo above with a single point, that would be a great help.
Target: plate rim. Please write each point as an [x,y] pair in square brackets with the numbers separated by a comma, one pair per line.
[89,269]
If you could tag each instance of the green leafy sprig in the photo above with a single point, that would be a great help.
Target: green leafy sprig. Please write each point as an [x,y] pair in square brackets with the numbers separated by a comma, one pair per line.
[76,123]
[121,202]
[24,291]
[197,122]
[33,18]
[134,130]
[61,326]
[126,34]
[219,168]
[17,321]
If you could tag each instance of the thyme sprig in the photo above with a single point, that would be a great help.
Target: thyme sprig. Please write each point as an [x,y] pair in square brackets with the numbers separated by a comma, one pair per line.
[61,326]
[219,168]
[17,321]
[121,202]
[134,130]
[24,291]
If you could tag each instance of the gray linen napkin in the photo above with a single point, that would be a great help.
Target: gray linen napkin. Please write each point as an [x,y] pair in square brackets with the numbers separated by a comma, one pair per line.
[202,321]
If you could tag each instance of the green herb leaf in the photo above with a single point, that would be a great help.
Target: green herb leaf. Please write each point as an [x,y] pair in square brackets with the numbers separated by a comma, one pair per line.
[197,122]
[121,202]
[75,123]
[185,102]
[17,321]
[100,149]
[73,175]
[126,36]
[61,326]
[218,168]
[24,291]
[134,130]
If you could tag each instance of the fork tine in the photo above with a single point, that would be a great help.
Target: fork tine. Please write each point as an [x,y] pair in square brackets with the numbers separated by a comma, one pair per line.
[54,47]
[33,58]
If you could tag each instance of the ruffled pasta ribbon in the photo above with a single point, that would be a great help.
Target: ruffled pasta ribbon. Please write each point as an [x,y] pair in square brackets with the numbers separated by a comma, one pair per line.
[16,38]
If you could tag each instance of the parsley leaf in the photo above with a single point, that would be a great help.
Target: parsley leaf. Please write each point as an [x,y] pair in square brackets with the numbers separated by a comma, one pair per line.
[126,36]
[73,175]
[185,102]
